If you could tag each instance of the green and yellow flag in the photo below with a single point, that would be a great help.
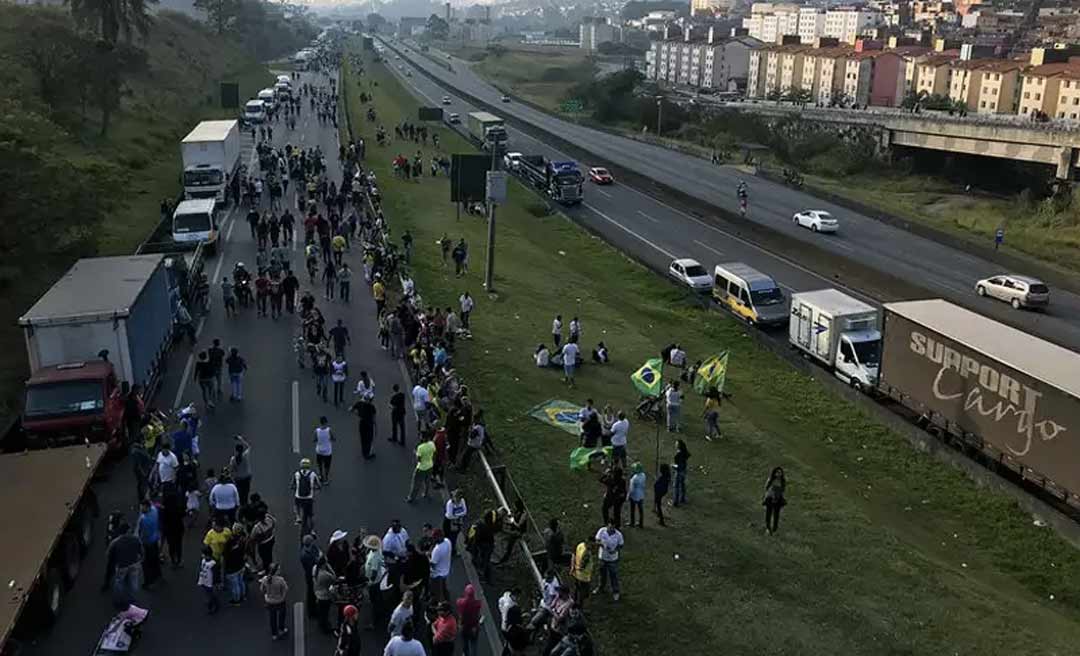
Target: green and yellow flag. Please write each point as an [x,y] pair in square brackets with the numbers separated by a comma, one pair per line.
[647,378]
[711,373]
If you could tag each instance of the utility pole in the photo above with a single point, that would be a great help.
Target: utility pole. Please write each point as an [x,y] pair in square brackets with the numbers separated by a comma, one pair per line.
[659,114]
[489,268]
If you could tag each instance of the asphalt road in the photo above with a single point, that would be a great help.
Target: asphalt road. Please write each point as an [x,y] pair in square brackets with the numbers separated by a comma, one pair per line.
[663,232]
[277,417]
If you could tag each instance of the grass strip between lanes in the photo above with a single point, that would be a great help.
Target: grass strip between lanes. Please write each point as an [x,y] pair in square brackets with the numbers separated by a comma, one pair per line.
[881,549]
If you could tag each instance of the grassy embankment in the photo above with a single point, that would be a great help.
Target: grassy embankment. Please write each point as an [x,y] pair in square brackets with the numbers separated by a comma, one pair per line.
[882,550]
[178,88]
[540,75]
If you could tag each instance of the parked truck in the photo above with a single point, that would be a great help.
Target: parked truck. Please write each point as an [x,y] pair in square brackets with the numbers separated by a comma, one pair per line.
[838,331]
[51,512]
[106,322]
[487,131]
[561,181]
[1000,390]
[211,157]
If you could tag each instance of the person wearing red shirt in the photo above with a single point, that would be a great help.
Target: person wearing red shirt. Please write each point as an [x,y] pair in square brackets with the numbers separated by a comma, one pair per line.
[468,610]
[262,291]
[441,445]
[444,631]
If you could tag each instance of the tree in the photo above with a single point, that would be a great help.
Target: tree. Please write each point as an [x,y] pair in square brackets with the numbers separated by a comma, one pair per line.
[50,49]
[375,22]
[219,13]
[110,19]
[797,95]
[110,64]
[437,28]
[775,95]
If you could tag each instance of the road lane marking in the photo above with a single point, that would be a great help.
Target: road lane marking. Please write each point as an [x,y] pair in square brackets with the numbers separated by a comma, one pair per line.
[299,645]
[648,217]
[296,417]
[607,218]
[841,245]
[603,193]
[709,248]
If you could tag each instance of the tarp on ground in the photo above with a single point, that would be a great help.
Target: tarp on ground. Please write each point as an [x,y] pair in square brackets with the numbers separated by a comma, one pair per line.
[580,457]
[560,414]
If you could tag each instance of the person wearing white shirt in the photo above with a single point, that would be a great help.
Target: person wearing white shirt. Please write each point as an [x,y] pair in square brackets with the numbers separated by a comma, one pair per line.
[556,330]
[569,360]
[586,412]
[441,556]
[674,406]
[421,397]
[365,387]
[677,357]
[542,357]
[167,464]
[324,449]
[575,330]
[454,516]
[467,304]
[507,602]
[619,432]
[395,539]
[611,544]
[224,500]
[404,644]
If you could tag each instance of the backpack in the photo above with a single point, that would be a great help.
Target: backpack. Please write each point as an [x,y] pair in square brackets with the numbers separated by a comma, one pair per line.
[304,484]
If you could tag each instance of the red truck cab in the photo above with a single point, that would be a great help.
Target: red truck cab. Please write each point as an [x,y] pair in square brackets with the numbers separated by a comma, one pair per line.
[74,402]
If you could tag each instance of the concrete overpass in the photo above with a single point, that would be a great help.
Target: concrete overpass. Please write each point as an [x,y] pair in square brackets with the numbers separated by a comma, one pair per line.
[1054,144]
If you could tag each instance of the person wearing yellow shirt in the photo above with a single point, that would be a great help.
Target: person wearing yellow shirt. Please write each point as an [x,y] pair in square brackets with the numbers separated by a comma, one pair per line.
[216,538]
[581,569]
[378,292]
[338,244]
[425,463]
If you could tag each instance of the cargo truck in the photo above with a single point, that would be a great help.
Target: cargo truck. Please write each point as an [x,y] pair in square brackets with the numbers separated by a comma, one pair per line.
[106,322]
[194,222]
[211,157]
[561,181]
[487,131]
[838,331]
[51,513]
[1008,394]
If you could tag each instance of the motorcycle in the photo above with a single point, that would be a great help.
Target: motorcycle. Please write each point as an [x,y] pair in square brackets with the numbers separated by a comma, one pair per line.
[243,292]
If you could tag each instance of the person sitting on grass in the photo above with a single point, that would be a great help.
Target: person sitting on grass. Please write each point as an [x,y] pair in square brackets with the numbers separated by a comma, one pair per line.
[600,354]
[542,356]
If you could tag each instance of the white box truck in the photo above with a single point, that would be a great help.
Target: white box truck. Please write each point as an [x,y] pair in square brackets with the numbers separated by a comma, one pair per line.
[840,332]
[211,155]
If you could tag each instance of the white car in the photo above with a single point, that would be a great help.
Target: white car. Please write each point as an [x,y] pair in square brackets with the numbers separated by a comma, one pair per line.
[690,273]
[1017,291]
[816,220]
[511,161]
[453,119]
[446,100]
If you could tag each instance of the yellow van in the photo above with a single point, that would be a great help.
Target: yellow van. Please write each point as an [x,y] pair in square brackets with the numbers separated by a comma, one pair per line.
[749,294]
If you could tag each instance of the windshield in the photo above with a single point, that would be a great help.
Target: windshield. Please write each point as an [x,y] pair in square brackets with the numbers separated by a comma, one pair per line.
[695,270]
[762,297]
[64,398]
[191,223]
[571,178]
[869,353]
[202,177]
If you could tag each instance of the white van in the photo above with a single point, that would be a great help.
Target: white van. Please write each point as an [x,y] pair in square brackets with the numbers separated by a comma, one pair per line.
[269,98]
[194,221]
[255,112]
[284,78]
[749,294]
[283,91]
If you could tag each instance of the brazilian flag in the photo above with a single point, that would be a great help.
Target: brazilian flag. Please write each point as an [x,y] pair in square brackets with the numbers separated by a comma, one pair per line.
[647,378]
[711,373]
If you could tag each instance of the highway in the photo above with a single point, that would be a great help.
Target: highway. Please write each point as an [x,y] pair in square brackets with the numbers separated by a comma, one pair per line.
[659,232]
[277,417]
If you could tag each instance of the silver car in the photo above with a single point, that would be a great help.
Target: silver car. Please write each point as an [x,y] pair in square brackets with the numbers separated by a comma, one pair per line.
[1018,291]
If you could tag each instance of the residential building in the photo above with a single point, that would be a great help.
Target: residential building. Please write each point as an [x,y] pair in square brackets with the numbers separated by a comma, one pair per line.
[594,31]
[708,61]
[858,77]
[769,22]
[823,73]
[1052,89]
[811,24]
[849,23]
[932,74]
[986,86]
[710,7]
[409,26]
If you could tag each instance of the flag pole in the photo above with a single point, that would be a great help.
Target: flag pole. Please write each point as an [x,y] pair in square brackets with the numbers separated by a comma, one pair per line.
[659,416]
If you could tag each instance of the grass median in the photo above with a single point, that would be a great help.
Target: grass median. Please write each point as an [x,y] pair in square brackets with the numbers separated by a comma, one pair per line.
[881,550]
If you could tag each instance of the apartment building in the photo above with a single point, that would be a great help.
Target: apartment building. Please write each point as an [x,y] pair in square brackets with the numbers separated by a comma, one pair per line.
[708,61]
[857,74]
[771,22]
[848,23]
[811,24]
[986,86]
[594,31]
[823,72]
[930,74]
[858,77]
[1052,89]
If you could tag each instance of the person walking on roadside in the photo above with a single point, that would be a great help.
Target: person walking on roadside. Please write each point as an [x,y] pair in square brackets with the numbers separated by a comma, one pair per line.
[234,564]
[774,499]
[468,611]
[149,533]
[240,466]
[365,413]
[236,366]
[611,544]
[324,578]
[454,517]
[206,580]
[264,535]
[339,337]
[682,462]
[339,373]
[444,630]
[421,398]
[309,557]
[425,462]
[216,355]
[324,449]
[204,376]
[329,276]
[275,592]
[397,415]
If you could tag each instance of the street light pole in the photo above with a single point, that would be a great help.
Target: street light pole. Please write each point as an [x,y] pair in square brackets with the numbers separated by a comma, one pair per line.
[489,268]
[659,114]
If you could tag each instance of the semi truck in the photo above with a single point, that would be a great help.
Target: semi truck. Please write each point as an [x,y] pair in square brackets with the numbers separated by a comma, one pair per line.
[561,181]
[52,511]
[211,157]
[107,321]
[838,331]
[1005,394]
[487,131]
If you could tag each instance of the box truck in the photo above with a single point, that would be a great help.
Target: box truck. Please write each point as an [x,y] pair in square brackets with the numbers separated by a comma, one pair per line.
[211,156]
[106,322]
[838,331]
[1009,394]
[487,131]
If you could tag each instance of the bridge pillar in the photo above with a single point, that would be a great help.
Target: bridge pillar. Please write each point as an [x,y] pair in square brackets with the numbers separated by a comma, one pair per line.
[1065,163]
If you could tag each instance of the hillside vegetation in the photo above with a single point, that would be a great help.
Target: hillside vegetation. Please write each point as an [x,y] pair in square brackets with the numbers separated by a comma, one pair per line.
[89,132]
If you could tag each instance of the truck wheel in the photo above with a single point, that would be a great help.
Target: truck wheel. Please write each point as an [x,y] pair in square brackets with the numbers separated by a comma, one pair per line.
[47,598]
[1016,303]
[69,555]
[84,522]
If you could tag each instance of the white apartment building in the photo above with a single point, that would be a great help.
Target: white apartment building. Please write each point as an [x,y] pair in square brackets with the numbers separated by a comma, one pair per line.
[594,31]
[811,24]
[846,24]
[712,62]
[770,22]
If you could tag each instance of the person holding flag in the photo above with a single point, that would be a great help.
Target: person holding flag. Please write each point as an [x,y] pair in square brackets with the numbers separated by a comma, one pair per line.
[709,381]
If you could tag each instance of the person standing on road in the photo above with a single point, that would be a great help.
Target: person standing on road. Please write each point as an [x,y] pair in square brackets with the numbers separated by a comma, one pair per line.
[167,467]
[264,535]
[309,557]
[444,630]
[365,413]
[206,580]
[320,368]
[329,277]
[469,610]
[378,292]
[339,373]
[149,532]
[324,577]
[402,615]
[454,517]
[339,336]
[441,556]
[236,367]
[425,462]
[234,565]
[172,527]
[421,399]
[348,643]
[275,591]
[365,387]
[344,282]
[397,415]
[228,297]
[224,499]
[324,449]
[216,355]
[611,544]
[289,286]
[240,466]
[204,376]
